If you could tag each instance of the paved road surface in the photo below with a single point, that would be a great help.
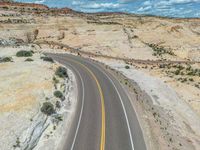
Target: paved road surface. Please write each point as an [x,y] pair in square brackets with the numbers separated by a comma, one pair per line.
[105,119]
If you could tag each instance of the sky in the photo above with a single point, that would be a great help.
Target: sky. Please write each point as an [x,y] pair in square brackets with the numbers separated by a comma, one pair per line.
[169,8]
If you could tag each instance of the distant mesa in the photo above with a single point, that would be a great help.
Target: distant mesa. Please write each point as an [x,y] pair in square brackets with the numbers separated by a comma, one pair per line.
[10,4]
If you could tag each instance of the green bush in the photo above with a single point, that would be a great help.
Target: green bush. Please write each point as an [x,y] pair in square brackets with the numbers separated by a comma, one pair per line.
[177,72]
[191,79]
[49,59]
[61,72]
[58,117]
[55,80]
[58,104]
[29,59]
[24,54]
[159,50]
[197,86]
[6,59]
[58,94]
[127,67]
[47,108]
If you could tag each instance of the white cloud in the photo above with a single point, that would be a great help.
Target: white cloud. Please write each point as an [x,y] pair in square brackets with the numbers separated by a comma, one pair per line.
[142,9]
[146,3]
[100,5]
[77,3]
[40,1]
[173,2]
[158,7]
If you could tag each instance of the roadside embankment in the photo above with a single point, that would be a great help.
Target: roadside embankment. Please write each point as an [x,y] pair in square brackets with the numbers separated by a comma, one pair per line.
[37,100]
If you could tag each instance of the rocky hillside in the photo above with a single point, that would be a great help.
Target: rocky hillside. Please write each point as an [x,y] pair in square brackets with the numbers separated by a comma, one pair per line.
[6,0]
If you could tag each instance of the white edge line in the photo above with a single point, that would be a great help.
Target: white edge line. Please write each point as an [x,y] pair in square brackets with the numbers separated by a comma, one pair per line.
[80,117]
[127,121]
[83,100]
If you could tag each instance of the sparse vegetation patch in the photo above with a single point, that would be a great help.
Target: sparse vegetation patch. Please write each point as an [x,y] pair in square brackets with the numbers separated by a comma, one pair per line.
[159,50]
[55,80]
[61,72]
[24,53]
[127,67]
[5,59]
[58,94]
[48,108]
[49,59]
[17,143]
[29,59]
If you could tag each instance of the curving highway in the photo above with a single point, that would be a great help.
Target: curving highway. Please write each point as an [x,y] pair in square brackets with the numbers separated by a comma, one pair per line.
[105,118]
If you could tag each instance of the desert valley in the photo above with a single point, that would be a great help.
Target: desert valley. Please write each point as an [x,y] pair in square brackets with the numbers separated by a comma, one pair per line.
[156,60]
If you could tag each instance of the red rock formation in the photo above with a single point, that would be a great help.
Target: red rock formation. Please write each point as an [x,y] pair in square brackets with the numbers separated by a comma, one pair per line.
[24,5]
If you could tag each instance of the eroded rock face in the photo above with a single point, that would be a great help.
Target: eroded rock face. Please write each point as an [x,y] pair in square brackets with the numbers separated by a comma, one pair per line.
[17,21]
[25,87]
[6,0]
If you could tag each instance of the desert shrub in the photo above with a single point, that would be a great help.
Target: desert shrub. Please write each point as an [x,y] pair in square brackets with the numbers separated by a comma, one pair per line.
[17,143]
[58,94]
[49,59]
[5,7]
[61,36]
[191,79]
[58,104]
[24,53]
[55,80]
[184,80]
[197,86]
[29,59]
[159,50]
[59,117]
[127,67]
[162,65]
[177,72]
[6,59]
[47,108]
[32,51]
[191,73]
[135,37]
[61,72]
[35,33]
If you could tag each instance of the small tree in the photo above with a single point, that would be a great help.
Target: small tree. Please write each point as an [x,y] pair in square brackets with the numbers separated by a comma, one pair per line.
[23,53]
[61,72]
[58,94]
[6,59]
[47,108]
[58,104]
[49,59]
[127,67]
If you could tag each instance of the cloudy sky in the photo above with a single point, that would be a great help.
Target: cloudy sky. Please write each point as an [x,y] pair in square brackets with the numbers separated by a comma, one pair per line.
[172,8]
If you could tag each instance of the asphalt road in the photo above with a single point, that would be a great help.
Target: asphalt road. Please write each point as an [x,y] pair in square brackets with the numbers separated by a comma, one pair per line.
[105,118]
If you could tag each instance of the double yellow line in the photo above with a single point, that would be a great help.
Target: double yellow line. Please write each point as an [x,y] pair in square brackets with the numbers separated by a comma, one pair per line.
[103,130]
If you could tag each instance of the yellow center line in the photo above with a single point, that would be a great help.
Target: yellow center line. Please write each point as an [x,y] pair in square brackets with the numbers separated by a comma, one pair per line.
[102,145]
